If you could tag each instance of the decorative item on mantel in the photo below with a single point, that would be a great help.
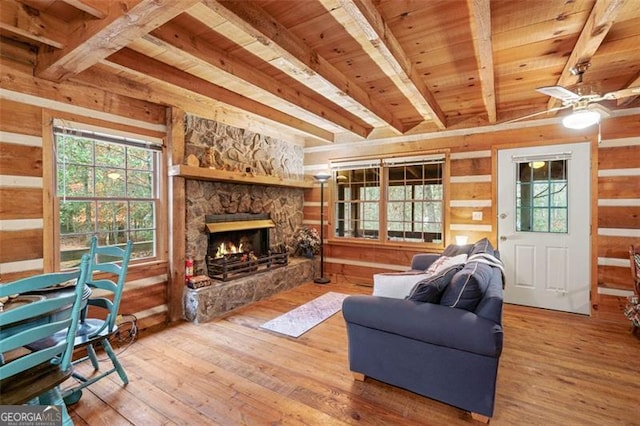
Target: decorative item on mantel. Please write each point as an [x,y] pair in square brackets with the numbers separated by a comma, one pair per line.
[209,158]
[306,242]
[193,161]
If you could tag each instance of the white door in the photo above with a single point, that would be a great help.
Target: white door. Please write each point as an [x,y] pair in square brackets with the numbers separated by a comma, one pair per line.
[543,225]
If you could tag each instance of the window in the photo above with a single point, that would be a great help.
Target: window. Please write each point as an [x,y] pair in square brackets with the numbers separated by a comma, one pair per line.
[409,191]
[106,185]
[541,196]
[358,201]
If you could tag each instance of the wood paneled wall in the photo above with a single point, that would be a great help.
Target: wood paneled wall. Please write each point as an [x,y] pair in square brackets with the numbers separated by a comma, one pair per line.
[25,105]
[472,188]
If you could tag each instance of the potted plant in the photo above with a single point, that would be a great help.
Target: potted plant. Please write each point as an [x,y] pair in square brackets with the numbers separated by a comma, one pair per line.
[306,242]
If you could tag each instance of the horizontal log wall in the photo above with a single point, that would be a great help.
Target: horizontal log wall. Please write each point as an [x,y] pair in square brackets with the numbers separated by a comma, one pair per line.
[618,215]
[24,101]
[472,189]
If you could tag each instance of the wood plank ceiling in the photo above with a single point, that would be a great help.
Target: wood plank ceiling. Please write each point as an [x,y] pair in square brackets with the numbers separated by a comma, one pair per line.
[330,70]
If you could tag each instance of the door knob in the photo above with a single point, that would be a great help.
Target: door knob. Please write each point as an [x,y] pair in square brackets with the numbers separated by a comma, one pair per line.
[503,215]
[503,238]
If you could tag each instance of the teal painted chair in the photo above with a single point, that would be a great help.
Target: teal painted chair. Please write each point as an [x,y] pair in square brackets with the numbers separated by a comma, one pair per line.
[33,377]
[107,292]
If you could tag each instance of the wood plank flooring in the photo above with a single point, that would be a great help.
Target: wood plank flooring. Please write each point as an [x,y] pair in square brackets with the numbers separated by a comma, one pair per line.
[556,368]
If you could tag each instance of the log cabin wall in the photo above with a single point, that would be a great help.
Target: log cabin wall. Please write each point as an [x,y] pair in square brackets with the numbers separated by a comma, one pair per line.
[27,106]
[472,182]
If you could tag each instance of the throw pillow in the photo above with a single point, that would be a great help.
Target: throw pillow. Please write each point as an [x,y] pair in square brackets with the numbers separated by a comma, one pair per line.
[430,289]
[445,262]
[396,285]
[454,250]
[467,287]
[482,246]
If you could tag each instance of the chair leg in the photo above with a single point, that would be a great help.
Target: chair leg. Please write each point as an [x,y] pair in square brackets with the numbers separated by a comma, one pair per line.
[112,356]
[54,397]
[91,352]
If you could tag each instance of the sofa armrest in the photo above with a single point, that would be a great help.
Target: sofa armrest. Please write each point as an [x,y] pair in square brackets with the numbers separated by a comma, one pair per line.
[422,261]
[426,322]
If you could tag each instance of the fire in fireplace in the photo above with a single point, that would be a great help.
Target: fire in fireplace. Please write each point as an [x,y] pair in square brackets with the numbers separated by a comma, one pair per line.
[239,245]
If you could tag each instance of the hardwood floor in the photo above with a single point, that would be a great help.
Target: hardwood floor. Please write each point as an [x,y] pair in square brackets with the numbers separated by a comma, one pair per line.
[556,368]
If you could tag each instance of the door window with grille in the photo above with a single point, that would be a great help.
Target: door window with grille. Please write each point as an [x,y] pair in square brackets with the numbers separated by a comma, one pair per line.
[542,196]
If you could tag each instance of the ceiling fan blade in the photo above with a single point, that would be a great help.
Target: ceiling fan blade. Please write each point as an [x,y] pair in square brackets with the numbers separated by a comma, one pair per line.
[601,109]
[623,93]
[559,92]
[535,114]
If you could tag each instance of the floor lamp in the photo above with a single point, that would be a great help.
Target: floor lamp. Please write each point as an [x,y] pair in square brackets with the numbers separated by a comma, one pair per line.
[322,177]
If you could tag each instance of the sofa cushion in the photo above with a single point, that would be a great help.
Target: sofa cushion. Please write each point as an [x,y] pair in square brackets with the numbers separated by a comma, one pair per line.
[430,289]
[445,262]
[467,286]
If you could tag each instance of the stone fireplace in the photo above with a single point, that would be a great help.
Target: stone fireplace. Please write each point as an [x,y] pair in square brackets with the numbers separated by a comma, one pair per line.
[209,203]
[283,207]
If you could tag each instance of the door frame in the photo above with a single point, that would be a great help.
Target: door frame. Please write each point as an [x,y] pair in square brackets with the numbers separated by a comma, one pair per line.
[592,139]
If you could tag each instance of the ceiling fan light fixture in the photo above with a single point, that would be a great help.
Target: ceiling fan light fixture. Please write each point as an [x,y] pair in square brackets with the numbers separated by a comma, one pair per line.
[581,119]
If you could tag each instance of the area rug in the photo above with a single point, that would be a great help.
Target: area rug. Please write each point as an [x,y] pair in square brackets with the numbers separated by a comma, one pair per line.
[303,318]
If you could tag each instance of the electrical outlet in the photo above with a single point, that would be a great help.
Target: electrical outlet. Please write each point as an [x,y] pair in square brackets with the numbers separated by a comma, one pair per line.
[476,216]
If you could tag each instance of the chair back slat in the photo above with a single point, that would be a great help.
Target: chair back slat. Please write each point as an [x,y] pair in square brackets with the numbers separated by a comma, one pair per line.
[37,282]
[104,284]
[32,334]
[36,358]
[116,252]
[42,320]
[37,308]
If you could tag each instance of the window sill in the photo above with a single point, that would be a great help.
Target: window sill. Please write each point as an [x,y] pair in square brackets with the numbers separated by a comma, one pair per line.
[395,245]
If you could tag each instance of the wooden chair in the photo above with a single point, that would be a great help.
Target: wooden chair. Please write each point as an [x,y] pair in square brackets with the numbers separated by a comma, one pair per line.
[632,309]
[93,331]
[34,376]
[634,256]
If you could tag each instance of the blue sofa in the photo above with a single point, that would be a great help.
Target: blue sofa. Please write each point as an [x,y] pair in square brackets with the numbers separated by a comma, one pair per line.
[448,351]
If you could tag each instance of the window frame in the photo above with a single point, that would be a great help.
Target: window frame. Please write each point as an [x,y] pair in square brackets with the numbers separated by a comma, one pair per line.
[52,240]
[384,163]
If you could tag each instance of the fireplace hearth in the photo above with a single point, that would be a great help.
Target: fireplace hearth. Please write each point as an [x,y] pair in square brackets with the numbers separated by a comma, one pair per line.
[239,246]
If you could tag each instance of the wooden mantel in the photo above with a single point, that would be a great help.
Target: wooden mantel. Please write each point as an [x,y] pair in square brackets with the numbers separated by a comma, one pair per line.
[203,173]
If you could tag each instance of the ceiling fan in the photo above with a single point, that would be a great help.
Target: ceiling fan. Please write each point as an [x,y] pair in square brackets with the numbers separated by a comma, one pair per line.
[583,100]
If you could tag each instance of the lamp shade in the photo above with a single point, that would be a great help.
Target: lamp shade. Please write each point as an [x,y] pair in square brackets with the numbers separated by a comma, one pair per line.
[322,176]
[581,119]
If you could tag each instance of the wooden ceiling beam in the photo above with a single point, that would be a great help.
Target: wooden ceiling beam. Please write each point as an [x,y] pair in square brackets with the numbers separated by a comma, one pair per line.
[179,40]
[93,40]
[361,19]
[295,58]
[602,16]
[159,70]
[95,8]
[123,81]
[25,21]
[480,14]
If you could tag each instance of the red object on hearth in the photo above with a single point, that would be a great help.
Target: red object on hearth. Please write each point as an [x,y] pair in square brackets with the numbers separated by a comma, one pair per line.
[188,269]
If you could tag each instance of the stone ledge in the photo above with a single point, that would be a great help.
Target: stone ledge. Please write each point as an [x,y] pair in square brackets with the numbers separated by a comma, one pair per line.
[204,304]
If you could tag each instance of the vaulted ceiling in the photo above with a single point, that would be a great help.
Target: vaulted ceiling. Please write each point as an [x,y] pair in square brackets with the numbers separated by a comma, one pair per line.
[332,70]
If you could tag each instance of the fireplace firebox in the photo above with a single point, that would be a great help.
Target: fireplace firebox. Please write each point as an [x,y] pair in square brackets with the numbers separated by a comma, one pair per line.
[239,246]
